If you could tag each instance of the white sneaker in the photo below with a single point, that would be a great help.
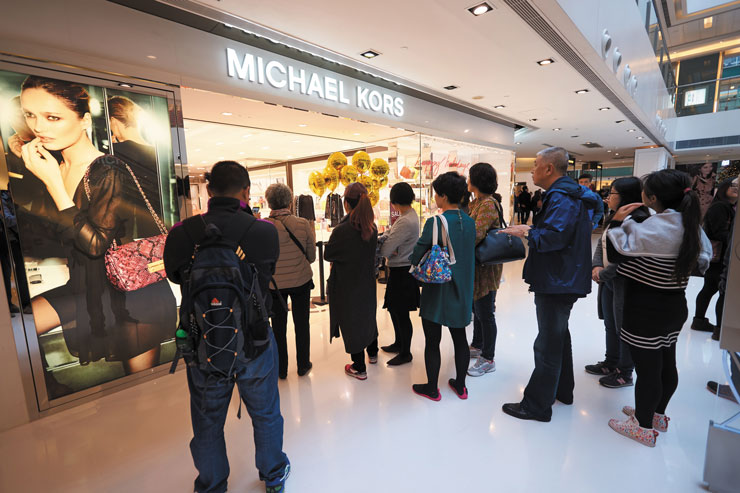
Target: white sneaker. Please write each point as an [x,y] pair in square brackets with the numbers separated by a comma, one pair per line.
[481,367]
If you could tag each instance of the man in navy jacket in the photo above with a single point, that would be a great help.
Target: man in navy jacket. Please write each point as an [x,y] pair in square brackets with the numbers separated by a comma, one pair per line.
[558,271]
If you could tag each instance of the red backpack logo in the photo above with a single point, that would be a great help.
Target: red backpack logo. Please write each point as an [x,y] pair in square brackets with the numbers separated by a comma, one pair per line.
[216,302]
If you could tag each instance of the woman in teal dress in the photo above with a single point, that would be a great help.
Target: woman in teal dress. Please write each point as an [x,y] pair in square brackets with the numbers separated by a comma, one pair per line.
[450,303]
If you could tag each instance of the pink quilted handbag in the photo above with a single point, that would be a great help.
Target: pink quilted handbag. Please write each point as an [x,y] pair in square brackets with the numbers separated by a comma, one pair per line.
[139,263]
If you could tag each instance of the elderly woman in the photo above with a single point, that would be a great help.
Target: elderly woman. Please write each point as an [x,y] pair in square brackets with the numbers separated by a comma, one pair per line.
[293,276]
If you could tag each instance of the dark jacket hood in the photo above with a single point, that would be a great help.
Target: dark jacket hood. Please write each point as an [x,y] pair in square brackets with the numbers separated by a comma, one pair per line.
[570,187]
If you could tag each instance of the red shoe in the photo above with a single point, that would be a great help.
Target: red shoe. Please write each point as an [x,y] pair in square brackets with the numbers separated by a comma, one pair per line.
[464,395]
[632,429]
[350,370]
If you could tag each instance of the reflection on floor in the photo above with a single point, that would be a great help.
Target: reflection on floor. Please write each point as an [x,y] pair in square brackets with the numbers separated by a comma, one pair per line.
[345,435]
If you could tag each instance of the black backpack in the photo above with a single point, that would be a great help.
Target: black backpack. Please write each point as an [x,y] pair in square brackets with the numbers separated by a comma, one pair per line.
[222,315]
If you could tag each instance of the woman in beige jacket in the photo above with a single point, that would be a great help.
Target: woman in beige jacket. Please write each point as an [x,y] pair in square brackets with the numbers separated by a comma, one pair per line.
[293,277]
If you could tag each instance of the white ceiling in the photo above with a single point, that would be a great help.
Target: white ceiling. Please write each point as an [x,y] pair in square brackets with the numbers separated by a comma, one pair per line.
[492,58]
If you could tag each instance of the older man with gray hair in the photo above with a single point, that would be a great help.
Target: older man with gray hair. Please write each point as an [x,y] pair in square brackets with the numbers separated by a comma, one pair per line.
[558,271]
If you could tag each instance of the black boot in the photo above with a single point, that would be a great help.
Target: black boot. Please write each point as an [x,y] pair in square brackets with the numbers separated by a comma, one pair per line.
[702,325]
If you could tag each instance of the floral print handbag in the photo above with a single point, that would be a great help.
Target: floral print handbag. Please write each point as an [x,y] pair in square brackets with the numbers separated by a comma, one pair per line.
[434,266]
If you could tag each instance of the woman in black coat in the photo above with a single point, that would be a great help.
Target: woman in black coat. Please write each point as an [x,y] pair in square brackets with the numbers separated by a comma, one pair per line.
[351,283]
[717,225]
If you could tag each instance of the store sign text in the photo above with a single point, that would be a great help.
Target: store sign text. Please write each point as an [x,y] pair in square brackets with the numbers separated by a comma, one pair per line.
[282,76]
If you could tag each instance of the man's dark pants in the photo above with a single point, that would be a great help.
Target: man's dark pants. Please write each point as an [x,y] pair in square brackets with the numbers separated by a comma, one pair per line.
[553,357]
[209,403]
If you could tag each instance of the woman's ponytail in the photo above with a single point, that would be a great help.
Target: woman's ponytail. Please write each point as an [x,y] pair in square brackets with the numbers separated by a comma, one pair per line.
[362,217]
[672,189]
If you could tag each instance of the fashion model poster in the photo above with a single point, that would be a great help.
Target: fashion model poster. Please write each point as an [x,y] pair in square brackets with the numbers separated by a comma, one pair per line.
[89,170]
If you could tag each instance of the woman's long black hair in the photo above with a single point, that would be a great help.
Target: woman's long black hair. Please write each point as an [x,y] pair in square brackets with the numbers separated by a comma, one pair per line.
[630,191]
[672,189]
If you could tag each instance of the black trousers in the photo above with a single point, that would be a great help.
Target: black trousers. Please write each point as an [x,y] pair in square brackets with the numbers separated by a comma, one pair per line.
[300,298]
[657,380]
[433,359]
[358,359]
[711,286]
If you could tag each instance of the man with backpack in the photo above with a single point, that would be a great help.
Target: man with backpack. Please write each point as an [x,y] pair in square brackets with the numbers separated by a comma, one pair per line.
[223,261]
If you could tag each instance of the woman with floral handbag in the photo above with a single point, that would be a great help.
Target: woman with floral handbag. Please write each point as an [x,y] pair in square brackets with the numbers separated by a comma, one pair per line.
[447,293]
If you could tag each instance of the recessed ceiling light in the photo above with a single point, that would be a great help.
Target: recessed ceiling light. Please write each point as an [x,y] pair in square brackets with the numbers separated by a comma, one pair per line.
[499,106]
[581,91]
[370,54]
[203,162]
[605,108]
[241,152]
[356,133]
[450,88]
[546,61]
[640,138]
[265,148]
[616,154]
[708,21]
[533,119]
[467,130]
[302,124]
[477,97]
[557,129]
[619,121]
[608,150]
[480,9]
[226,113]
[518,143]
[151,57]
[631,130]
[219,143]
[246,136]
[129,85]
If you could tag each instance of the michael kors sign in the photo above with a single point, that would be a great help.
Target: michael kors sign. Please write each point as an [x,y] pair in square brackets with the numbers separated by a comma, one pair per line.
[279,75]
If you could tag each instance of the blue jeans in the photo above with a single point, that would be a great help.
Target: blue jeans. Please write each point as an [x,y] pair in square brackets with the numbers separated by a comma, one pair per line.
[209,403]
[617,351]
[484,325]
[553,356]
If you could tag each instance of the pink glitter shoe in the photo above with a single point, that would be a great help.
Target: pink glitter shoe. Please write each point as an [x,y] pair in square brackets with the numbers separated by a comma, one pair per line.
[632,429]
[660,421]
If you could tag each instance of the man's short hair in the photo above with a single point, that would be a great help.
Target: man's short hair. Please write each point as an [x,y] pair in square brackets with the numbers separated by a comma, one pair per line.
[585,176]
[557,156]
[227,178]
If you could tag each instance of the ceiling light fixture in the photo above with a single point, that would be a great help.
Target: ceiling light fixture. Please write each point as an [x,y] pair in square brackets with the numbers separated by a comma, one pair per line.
[219,143]
[605,108]
[356,133]
[151,57]
[226,113]
[477,97]
[619,121]
[302,125]
[557,129]
[708,21]
[581,91]
[640,137]
[546,61]
[499,106]
[616,154]
[370,54]
[533,119]
[467,130]
[450,88]
[518,143]
[129,85]
[608,150]
[480,9]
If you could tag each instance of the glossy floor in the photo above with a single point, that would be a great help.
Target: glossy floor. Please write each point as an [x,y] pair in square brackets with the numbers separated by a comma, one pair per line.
[345,435]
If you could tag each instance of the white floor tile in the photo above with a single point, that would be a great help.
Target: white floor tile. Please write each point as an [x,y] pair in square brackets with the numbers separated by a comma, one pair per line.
[345,435]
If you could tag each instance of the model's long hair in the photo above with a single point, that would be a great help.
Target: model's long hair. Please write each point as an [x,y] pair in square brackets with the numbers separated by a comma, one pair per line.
[361,217]
[672,189]
[74,95]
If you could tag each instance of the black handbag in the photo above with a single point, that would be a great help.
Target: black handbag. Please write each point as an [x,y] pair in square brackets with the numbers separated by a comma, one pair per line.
[499,248]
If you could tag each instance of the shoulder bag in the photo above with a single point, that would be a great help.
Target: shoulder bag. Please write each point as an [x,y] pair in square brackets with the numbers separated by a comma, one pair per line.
[139,263]
[434,266]
[499,248]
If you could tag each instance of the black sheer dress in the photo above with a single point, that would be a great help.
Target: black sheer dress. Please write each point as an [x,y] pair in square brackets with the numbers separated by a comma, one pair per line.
[98,320]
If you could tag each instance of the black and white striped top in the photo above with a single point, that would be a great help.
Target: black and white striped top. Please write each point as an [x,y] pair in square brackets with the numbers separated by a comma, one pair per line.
[655,272]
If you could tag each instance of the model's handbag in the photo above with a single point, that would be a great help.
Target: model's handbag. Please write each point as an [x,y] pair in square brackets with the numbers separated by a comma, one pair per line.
[499,248]
[139,263]
[434,266]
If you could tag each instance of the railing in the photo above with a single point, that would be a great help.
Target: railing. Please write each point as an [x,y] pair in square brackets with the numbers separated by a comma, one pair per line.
[708,96]
[656,35]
